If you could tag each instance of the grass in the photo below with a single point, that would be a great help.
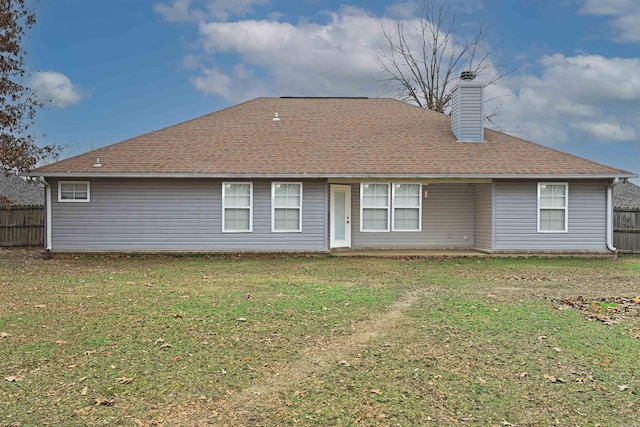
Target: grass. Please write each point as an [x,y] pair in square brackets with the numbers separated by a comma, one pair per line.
[155,340]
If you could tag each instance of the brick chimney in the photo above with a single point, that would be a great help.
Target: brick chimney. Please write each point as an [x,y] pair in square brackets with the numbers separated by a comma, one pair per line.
[467,109]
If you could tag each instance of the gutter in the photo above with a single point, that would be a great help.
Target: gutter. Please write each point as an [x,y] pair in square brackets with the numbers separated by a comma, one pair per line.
[610,215]
[257,175]
[47,186]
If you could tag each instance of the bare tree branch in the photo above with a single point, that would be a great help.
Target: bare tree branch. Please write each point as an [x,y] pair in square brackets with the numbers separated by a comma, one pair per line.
[424,68]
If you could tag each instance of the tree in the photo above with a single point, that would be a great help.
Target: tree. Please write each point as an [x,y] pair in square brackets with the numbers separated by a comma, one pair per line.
[423,63]
[18,103]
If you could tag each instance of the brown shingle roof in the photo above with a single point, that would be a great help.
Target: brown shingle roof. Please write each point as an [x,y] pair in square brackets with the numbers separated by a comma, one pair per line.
[16,191]
[325,137]
[626,195]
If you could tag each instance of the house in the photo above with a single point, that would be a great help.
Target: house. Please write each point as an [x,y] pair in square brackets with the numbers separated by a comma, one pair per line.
[15,191]
[626,195]
[320,174]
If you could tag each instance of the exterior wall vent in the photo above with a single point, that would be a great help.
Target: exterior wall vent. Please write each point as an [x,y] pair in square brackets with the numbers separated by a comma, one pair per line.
[467,109]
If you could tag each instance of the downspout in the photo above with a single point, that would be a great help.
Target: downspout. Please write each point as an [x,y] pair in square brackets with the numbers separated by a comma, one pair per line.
[47,242]
[610,215]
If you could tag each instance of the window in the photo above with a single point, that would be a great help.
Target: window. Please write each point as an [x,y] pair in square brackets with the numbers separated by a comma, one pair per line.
[552,207]
[407,207]
[374,205]
[237,202]
[286,207]
[73,191]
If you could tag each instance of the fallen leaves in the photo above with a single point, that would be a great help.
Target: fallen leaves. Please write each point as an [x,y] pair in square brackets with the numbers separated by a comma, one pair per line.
[610,311]
[83,411]
[554,379]
[13,379]
[103,401]
[124,380]
[163,345]
[4,335]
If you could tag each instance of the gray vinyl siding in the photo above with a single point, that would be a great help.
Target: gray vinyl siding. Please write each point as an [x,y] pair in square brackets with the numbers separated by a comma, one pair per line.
[447,216]
[516,228]
[483,216]
[179,215]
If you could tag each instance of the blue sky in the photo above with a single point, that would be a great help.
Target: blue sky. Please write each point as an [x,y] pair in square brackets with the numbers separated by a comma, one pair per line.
[117,69]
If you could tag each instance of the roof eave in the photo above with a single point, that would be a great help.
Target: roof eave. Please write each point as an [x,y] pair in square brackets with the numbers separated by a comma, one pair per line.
[46,174]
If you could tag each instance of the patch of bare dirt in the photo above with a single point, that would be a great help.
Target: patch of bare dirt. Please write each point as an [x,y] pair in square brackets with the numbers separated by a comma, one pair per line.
[245,407]
[21,255]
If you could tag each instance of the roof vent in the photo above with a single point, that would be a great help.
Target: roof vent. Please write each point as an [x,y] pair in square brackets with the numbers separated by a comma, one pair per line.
[276,118]
[467,75]
[97,164]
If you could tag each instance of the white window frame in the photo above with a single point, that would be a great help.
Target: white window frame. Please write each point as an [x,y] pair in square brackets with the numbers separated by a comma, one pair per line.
[362,207]
[74,200]
[224,208]
[394,207]
[274,207]
[565,207]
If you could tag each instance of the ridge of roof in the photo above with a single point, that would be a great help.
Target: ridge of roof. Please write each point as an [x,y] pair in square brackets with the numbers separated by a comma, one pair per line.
[325,97]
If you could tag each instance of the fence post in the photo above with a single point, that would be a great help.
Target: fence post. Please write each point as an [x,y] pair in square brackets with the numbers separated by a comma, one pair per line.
[626,230]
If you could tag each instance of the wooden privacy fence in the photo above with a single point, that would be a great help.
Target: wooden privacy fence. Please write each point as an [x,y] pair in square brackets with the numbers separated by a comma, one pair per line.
[626,230]
[22,226]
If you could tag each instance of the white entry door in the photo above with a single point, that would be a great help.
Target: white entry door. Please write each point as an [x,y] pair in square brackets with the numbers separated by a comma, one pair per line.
[340,216]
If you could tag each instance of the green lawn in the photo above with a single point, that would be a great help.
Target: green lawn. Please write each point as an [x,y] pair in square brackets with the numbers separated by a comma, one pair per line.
[184,341]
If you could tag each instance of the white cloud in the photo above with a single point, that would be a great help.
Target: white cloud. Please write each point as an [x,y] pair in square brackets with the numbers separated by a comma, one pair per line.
[55,87]
[336,58]
[588,77]
[200,10]
[608,129]
[241,84]
[223,9]
[564,99]
[403,9]
[624,14]
[573,98]
[178,11]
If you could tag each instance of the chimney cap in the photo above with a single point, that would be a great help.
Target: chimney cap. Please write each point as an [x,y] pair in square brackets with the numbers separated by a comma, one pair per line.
[467,75]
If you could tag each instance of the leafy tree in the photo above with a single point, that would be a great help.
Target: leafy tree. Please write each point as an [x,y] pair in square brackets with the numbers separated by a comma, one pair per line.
[18,103]
[423,63]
